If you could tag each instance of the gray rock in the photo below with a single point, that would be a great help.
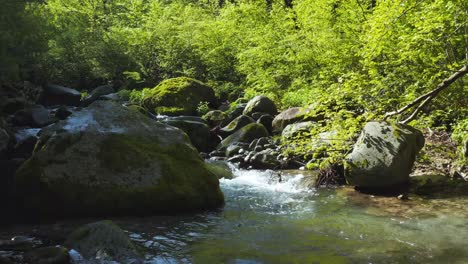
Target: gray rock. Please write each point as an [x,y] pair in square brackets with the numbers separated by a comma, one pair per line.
[237,111]
[59,95]
[266,121]
[96,93]
[199,134]
[298,129]
[108,160]
[48,255]
[184,118]
[291,116]
[245,135]
[263,160]
[260,104]
[236,159]
[220,169]
[383,156]
[104,241]
[111,97]
[236,124]
[34,116]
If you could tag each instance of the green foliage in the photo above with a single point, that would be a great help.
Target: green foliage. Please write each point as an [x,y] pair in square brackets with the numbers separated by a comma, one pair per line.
[355,60]
[203,108]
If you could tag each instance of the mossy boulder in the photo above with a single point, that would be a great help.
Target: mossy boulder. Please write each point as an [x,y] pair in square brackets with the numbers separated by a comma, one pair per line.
[246,134]
[291,116]
[383,156]
[199,134]
[236,124]
[215,117]
[260,104]
[104,241]
[178,96]
[109,160]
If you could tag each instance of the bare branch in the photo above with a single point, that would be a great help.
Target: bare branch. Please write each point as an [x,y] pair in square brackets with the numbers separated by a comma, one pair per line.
[425,98]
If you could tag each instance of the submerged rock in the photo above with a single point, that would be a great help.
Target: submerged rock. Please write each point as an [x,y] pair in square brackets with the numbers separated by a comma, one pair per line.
[383,156]
[104,241]
[178,96]
[108,160]
[261,104]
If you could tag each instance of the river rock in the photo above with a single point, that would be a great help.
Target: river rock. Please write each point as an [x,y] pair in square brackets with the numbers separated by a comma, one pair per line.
[298,129]
[465,148]
[290,116]
[220,169]
[199,134]
[215,117]
[383,156]
[266,121]
[34,116]
[104,241]
[260,104]
[183,118]
[236,124]
[59,95]
[178,96]
[265,159]
[97,93]
[48,255]
[236,111]
[62,113]
[245,135]
[108,160]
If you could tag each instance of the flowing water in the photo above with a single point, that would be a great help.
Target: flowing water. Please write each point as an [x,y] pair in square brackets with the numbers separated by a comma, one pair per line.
[268,221]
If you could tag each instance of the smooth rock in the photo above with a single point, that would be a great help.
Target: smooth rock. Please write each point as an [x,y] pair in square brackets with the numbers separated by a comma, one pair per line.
[260,104]
[298,129]
[199,134]
[266,121]
[59,95]
[34,116]
[244,135]
[48,255]
[96,93]
[291,116]
[236,124]
[104,241]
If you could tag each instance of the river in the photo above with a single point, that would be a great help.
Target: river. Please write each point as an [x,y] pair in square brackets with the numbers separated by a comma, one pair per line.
[268,221]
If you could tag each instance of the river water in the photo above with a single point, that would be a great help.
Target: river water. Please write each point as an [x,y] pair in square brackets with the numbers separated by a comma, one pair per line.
[267,221]
[270,221]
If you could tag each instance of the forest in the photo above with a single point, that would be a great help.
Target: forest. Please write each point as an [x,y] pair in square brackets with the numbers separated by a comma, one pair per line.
[252,98]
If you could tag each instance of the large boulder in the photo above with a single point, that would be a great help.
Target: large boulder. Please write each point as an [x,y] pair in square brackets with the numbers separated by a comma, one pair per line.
[290,116]
[109,160]
[178,96]
[199,134]
[59,95]
[261,104]
[236,124]
[104,241]
[383,156]
[97,93]
[244,135]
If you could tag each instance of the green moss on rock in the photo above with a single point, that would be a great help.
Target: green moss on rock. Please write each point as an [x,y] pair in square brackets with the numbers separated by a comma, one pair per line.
[178,96]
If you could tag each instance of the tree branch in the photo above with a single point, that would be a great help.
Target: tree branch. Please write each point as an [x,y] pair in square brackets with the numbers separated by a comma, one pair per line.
[425,98]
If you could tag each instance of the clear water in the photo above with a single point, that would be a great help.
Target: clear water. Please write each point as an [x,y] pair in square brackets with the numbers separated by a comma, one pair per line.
[266,221]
